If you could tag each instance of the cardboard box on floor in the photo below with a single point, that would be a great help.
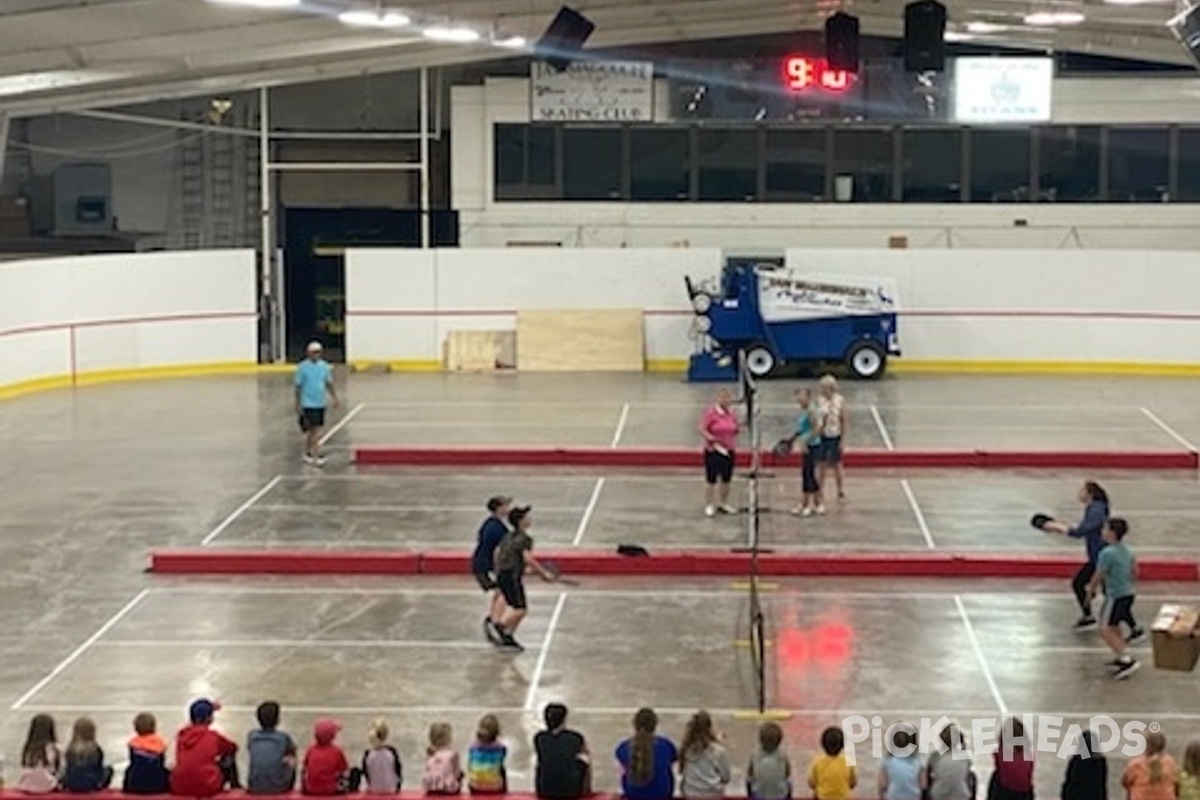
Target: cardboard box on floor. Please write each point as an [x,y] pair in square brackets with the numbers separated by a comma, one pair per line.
[1175,637]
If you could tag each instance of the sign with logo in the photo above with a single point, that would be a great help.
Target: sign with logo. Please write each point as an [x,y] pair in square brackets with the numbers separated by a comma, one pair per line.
[788,295]
[1002,89]
[592,91]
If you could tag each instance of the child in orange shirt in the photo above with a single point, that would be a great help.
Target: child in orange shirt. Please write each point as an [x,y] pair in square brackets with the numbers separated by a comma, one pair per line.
[1154,775]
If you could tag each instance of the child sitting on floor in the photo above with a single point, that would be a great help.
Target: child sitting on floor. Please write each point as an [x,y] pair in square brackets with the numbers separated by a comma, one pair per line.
[830,777]
[272,754]
[41,760]
[381,766]
[326,771]
[769,776]
[442,774]
[485,759]
[85,770]
[147,772]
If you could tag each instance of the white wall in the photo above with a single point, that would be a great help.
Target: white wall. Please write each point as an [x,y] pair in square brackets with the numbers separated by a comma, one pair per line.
[475,110]
[73,316]
[982,305]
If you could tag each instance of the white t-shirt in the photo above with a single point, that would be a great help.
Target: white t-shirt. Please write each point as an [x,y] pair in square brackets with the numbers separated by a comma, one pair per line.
[830,410]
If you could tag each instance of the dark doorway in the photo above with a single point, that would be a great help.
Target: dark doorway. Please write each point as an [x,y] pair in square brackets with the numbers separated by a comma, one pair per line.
[315,240]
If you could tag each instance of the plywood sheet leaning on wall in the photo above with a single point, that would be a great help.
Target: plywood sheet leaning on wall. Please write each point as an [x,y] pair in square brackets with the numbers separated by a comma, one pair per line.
[611,340]
[477,351]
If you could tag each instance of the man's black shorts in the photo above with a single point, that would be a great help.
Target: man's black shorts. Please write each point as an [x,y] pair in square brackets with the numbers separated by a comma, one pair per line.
[486,581]
[513,588]
[1118,610]
[311,419]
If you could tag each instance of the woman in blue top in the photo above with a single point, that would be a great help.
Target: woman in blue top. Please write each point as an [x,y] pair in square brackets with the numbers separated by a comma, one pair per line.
[1090,529]
[810,453]
[647,761]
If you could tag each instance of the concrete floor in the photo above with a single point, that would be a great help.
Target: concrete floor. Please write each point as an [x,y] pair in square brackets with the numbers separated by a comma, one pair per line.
[95,478]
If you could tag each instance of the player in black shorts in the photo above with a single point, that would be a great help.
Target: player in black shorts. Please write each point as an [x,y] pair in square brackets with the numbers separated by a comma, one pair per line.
[513,557]
[483,562]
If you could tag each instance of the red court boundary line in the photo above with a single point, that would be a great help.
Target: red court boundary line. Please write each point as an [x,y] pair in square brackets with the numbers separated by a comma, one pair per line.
[107,323]
[666,564]
[665,458]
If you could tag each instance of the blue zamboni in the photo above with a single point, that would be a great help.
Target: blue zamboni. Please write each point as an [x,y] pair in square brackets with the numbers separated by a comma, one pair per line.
[782,316]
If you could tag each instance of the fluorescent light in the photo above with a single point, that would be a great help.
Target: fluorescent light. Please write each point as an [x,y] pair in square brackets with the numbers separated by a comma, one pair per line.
[511,42]
[257,3]
[985,27]
[373,19]
[956,36]
[440,33]
[1050,18]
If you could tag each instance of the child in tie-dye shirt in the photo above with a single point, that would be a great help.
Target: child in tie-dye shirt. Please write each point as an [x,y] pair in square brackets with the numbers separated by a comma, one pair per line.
[485,759]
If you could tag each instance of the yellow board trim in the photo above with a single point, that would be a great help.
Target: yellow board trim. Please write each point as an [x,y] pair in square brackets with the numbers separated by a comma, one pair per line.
[999,367]
[666,365]
[404,365]
[101,377]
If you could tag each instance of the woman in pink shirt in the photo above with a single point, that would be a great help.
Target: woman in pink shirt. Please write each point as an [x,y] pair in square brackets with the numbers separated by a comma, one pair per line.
[719,427]
[1152,776]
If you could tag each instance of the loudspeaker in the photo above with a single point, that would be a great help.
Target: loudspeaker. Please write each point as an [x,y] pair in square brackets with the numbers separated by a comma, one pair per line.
[841,42]
[924,32]
[563,40]
[1186,27]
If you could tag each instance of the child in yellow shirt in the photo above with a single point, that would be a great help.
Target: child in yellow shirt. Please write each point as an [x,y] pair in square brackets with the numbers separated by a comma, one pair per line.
[830,777]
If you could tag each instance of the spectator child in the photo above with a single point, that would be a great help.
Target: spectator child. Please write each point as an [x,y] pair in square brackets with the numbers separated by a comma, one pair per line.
[85,770]
[205,762]
[900,772]
[41,760]
[1189,777]
[948,774]
[1087,774]
[647,760]
[703,762]
[485,759]
[1152,776]
[326,770]
[563,762]
[769,776]
[147,772]
[443,774]
[272,754]
[1013,777]
[381,767]
[830,777]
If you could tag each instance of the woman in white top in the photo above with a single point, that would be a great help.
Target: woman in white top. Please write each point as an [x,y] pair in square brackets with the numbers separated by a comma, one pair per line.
[831,412]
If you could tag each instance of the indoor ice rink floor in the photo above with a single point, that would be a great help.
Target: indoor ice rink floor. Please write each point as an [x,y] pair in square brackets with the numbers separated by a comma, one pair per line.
[97,477]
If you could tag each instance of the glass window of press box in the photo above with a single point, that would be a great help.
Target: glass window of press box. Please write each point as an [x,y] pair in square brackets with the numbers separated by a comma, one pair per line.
[798,163]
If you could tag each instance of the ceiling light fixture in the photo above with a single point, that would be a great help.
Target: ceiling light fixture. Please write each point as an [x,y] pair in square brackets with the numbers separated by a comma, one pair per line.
[443,33]
[985,27]
[956,36]
[1052,18]
[511,42]
[257,3]
[373,19]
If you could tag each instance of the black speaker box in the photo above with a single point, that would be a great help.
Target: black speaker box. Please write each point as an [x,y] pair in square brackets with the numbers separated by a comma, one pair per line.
[841,42]
[924,32]
[563,40]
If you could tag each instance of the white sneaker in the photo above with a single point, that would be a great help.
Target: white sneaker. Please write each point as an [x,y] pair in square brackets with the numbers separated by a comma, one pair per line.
[308,459]
[807,512]
[820,510]
[710,511]
[319,461]
[798,511]
[728,509]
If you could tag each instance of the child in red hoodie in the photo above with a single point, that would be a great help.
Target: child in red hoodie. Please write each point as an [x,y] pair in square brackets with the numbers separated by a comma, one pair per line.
[326,770]
[204,759]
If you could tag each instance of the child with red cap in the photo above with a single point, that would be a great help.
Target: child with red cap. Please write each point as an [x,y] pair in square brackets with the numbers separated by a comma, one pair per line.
[326,770]
[204,759]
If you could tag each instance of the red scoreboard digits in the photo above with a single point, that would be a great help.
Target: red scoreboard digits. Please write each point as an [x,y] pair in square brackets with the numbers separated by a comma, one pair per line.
[804,74]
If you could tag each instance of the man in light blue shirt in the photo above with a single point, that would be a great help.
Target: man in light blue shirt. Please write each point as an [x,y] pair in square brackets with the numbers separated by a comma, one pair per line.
[1116,574]
[314,382]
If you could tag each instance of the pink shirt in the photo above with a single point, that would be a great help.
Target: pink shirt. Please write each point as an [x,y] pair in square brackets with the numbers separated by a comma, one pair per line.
[721,425]
[1139,782]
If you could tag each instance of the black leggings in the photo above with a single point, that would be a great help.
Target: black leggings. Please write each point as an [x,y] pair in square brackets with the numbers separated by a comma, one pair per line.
[808,470]
[1080,584]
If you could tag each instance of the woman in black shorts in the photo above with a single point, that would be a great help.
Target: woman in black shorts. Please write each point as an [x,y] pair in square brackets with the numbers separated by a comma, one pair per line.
[719,429]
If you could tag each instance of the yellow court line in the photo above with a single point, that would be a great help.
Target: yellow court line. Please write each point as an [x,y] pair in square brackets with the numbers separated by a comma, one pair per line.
[769,714]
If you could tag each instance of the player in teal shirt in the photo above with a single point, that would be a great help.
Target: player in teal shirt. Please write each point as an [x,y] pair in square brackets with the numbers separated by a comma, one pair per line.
[314,383]
[1116,573]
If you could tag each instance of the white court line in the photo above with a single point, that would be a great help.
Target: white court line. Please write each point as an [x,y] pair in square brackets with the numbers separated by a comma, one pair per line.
[587,513]
[916,509]
[343,422]
[1167,429]
[540,666]
[298,643]
[482,423]
[1067,406]
[616,440]
[79,651]
[883,431]
[475,509]
[237,512]
[983,665]
[621,711]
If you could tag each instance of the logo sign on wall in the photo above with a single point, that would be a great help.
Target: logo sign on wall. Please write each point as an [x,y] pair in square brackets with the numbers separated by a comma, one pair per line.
[1002,89]
[592,91]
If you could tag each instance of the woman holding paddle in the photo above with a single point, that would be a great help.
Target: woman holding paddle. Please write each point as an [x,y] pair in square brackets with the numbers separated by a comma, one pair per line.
[1095,516]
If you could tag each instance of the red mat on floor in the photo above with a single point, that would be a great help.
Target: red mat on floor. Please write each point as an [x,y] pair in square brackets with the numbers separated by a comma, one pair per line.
[666,564]
[684,458]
